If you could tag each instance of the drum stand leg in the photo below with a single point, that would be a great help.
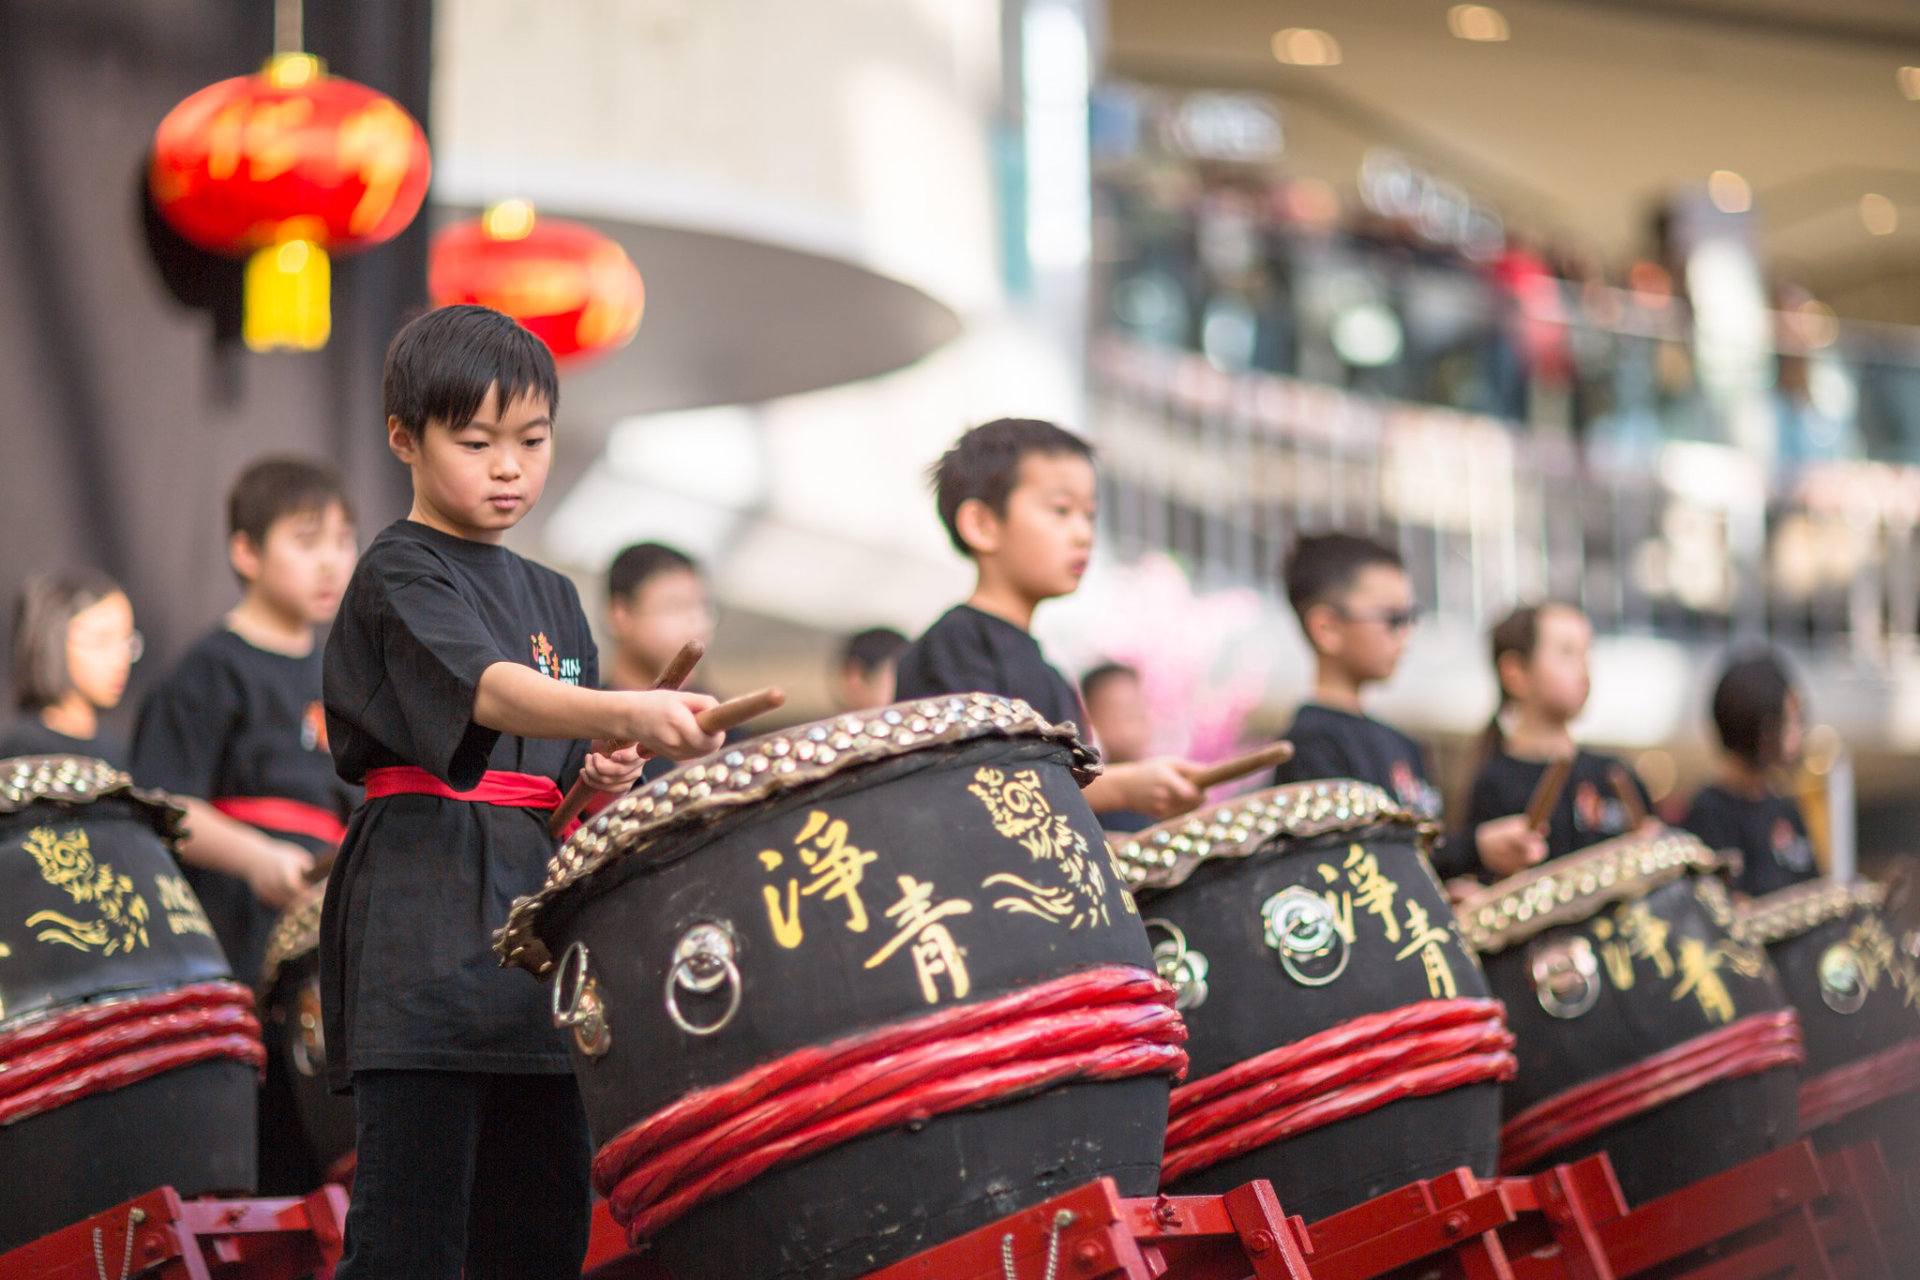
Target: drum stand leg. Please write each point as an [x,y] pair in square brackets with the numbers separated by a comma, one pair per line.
[159,1234]
[1752,1221]
[1867,1220]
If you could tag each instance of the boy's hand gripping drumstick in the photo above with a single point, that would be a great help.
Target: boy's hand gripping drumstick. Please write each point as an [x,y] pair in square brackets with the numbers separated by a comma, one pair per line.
[719,718]
[673,677]
[1267,757]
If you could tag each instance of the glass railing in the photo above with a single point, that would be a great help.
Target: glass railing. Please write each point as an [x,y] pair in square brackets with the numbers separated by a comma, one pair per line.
[1650,523]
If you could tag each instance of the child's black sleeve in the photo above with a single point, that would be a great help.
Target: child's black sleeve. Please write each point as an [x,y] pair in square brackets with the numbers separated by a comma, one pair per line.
[184,727]
[1315,755]
[435,646]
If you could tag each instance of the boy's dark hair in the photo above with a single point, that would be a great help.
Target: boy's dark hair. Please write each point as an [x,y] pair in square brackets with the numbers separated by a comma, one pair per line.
[276,487]
[641,563]
[872,649]
[1323,567]
[47,604]
[1105,673]
[985,464]
[442,364]
[1750,707]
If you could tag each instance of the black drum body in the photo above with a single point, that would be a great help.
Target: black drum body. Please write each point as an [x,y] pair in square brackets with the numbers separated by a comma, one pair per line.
[880,885]
[1648,965]
[94,915]
[1249,985]
[1858,994]
[295,1101]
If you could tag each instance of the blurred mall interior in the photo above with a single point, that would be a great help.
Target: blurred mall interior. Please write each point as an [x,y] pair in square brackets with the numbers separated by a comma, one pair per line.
[1608,301]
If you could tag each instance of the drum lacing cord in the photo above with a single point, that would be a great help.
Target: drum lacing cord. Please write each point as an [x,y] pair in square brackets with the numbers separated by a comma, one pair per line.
[1845,1089]
[1336,1074]
[110,1044]
[1102,1024]
[1756,1043]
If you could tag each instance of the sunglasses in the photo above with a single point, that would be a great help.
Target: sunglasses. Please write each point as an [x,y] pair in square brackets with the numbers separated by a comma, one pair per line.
[1392,619]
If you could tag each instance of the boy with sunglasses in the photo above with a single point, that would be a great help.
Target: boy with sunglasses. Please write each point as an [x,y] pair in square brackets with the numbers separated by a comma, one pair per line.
[1356,607]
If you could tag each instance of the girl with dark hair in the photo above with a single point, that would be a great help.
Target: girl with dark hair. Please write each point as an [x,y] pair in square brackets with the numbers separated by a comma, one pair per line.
[1540,661]
[73,647]
[1758,713]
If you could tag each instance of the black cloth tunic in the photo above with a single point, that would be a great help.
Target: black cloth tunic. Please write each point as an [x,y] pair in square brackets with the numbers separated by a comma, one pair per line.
[28,737]
[1330,743]
[1769,833]
[235,720]
[1589,810]
[408,976]
[971,651]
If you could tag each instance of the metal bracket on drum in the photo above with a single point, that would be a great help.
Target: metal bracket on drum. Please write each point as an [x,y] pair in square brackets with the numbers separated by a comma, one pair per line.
[1179,965]
[577,1003]
[703,962]
[1566,976]
[1843,983]
[308,1048]
[1301,929]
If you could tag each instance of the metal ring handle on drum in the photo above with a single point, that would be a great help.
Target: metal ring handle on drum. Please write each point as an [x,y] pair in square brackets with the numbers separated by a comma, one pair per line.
[307,1047]
[583,1009]
[1301,928]
[703,963]
[1179,965]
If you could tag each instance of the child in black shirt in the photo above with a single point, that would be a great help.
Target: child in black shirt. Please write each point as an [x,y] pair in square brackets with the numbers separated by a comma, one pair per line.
[1540,659]
[1356,609]
[73,647]
[1017,497]
[1757,711]
[1116,703]
[235,730]
[459,679]
[236,733]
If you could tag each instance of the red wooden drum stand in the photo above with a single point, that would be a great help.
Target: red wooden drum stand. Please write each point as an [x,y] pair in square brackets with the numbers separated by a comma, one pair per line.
[161,1235]
[1791,1213]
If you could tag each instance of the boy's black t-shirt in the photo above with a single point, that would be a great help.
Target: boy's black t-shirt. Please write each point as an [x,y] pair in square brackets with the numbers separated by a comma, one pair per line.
[408,975]
[233,720]
[971,651]
[1589,810]
[1330,743]
[28,737]
[1769,833]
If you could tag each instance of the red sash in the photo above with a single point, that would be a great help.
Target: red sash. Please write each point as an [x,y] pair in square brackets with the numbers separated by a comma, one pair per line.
[497,786]
[289,817]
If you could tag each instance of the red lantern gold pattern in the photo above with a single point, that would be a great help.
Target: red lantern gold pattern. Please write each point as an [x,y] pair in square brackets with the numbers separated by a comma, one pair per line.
[255,163]
[574,288]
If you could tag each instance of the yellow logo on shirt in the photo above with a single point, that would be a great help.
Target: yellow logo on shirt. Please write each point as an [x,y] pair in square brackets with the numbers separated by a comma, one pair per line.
[549,663]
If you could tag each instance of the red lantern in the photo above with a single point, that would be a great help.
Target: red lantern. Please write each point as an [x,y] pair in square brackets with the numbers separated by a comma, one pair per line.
[287,166]
[574,288]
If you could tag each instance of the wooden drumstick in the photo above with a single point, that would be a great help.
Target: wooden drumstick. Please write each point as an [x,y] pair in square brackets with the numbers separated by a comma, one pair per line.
[1267,757]
[1546,794]
[322,865]
[582,791]
[735,712]
[1629,796]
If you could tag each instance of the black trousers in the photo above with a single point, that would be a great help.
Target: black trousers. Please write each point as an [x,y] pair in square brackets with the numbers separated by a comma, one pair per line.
[466,1173]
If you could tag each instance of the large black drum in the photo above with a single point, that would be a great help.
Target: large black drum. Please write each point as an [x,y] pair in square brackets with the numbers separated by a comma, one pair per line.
[323,1121]
[852,989]
[1858,994]
[127,1054]
[1647,1029]
[1343,1041]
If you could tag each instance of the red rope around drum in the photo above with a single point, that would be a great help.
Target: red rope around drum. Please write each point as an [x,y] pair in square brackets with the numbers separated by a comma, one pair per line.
[1862,1083]
[1747,1047]
[1102,1024]
[110,1044]
[1336,1074]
